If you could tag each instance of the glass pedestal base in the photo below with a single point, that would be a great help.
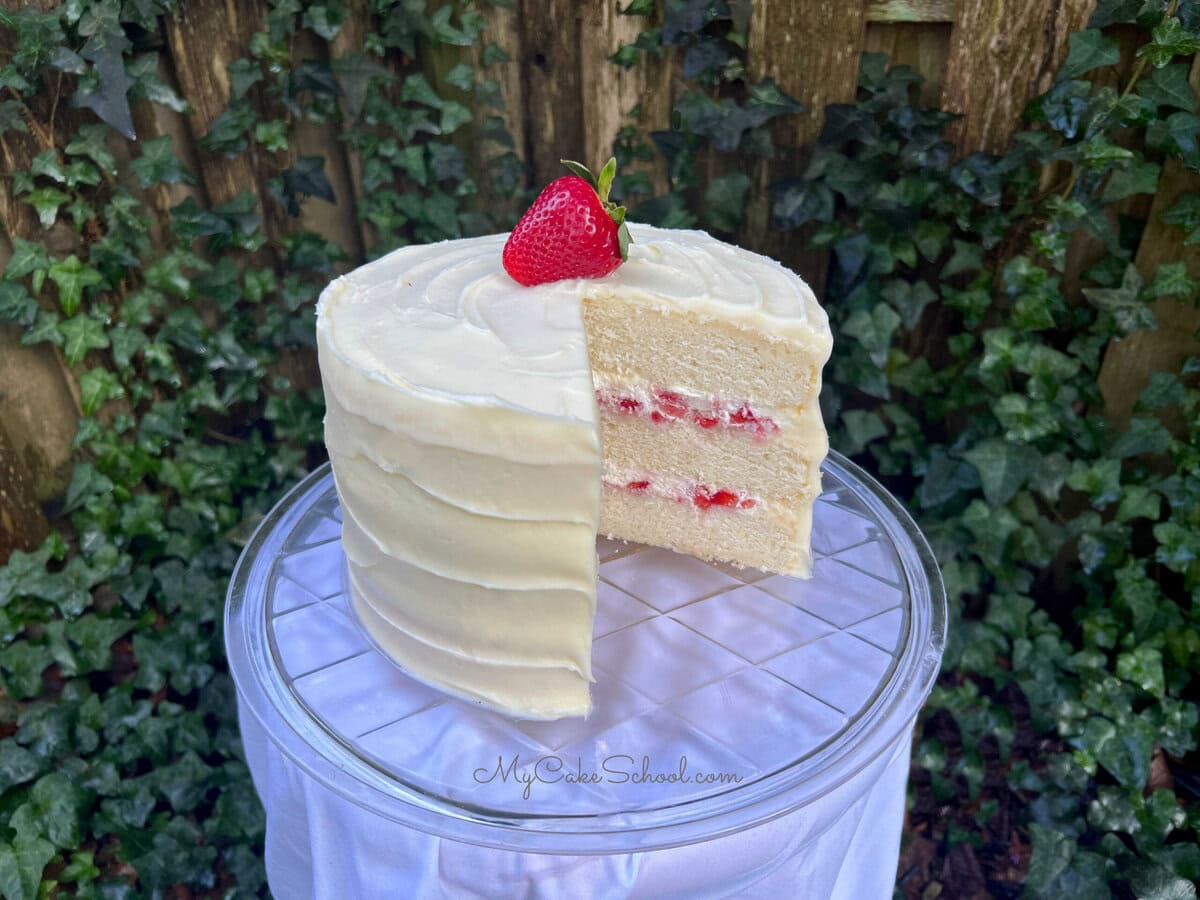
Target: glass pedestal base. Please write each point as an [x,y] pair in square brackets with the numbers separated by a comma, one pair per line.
[738,717]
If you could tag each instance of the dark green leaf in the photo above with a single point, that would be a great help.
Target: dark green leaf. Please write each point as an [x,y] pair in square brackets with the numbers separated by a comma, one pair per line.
[1169,86]
[1172,280]
[685,18]
[1164,390]
[47,201]
[158,163]
[967,258]
[16,306]
[11,118]
[1139,178]
[862,428]
[725,202]
[1170,39]
[227,134]
[1185,212]
[1090,49]
[797,204]
[91,140]
[873,330]
[461,77]
[354,72]
[60,803]
[17,765]
[305,178]
[73,277]
[79,335]
[325,19]
[1003,467]
[109,100]
[946,478]
[96,387]
[21,865]
[909,299]
[1109,12]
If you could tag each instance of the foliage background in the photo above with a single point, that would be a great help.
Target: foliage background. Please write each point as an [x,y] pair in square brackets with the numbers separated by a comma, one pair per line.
[975,297]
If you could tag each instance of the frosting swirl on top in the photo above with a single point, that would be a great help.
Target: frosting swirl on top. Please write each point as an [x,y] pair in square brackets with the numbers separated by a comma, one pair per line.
[445,321]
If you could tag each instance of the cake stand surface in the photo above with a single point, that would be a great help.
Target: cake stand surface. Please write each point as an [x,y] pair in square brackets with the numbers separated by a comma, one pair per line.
[739,718]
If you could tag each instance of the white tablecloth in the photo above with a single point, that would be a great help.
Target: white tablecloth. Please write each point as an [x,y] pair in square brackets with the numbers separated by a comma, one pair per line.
[324,847]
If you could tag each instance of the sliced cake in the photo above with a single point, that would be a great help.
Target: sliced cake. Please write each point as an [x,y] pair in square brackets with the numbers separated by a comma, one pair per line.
[466,420]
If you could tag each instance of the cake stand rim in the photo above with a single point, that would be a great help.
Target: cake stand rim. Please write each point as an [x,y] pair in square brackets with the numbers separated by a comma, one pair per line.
[895,706]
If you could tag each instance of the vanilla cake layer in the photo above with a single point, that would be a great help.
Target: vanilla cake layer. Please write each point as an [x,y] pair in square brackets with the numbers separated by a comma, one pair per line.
[465,441]
[639,340]
[767,537]
[784,464]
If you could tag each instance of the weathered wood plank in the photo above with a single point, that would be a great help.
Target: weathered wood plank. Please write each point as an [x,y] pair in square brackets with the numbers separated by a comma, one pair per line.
[910,11]
[205,37]
[922,47]
[349,39]
[1003,53]
[551,35]
[611,93]
[23,525]
[39,410]
[150,121]
[504,30]
[1129,363]
[811,48]
[337,221]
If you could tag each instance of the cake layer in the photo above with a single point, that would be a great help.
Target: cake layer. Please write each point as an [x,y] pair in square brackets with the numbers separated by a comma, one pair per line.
[525,691]
[638,341]
[535,627]
[787,464]
[416,527]
[769,536]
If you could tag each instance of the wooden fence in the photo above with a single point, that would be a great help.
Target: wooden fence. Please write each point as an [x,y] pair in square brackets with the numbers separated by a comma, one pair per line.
[983,59]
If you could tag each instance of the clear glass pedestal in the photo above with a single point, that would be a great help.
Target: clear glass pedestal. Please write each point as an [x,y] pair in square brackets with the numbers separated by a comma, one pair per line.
[749,732]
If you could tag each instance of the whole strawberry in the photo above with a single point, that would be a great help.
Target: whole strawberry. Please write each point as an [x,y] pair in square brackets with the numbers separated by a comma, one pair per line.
[570,231]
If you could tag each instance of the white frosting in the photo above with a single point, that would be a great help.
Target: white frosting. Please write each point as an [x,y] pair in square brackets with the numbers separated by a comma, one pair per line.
[445,321]
[463,431]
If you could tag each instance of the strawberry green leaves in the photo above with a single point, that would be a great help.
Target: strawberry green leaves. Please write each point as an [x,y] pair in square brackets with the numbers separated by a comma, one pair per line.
[602,184]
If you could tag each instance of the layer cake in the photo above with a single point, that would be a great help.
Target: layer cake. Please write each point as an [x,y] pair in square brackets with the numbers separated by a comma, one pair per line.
[482,433]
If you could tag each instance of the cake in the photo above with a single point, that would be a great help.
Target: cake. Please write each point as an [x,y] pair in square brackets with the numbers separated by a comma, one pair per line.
[482,434]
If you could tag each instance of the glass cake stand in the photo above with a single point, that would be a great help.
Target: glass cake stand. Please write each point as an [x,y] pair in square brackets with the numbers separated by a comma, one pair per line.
[724,698]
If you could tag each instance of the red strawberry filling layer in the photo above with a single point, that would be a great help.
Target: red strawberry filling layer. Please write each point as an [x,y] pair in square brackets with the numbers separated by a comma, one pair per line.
[699,495]
[662,407]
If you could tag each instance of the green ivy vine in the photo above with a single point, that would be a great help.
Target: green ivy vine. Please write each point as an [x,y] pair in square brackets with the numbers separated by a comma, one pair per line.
[121,772]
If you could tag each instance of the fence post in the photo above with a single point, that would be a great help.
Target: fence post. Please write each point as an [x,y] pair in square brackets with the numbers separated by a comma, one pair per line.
[811,48]
[1003,53]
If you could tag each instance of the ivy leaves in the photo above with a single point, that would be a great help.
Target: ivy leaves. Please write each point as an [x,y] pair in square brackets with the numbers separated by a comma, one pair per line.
[1090,50]
[994,429]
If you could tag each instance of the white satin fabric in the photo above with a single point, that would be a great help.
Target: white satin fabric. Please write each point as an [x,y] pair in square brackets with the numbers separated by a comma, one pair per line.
[324,847]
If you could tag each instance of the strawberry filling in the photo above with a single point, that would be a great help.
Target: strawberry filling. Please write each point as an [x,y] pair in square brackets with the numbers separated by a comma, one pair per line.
[700,496]
[665,406]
